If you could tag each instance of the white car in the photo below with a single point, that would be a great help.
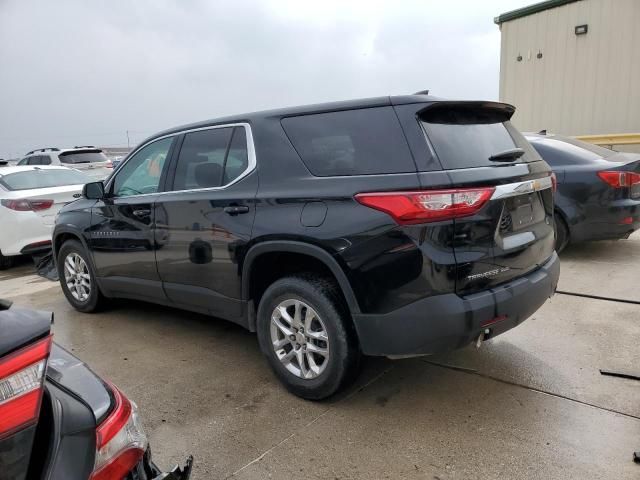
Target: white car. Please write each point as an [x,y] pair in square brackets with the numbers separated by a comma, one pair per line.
[88,159]
[30,198]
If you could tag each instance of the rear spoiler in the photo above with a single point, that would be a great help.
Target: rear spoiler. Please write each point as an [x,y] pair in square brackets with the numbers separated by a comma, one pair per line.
[466,112]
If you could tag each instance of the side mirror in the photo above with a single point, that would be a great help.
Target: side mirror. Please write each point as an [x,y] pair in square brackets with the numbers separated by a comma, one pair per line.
[93,191]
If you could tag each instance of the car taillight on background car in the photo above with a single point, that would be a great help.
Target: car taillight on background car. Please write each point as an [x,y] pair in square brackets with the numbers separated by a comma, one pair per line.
[409,208]
[620,179]
[21,386]
[27,205]
[120,440]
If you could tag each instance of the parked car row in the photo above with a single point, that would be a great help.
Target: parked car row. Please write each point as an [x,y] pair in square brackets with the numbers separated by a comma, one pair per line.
[390,226]
[87,159]
[394,226]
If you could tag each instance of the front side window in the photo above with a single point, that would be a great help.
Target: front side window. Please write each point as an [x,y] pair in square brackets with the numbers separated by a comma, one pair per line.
[211,158]
[141,174]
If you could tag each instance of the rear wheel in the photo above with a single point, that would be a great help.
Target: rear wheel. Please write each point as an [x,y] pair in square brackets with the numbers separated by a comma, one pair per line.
[562,232]
[5,262]
[77,278]
[307,337]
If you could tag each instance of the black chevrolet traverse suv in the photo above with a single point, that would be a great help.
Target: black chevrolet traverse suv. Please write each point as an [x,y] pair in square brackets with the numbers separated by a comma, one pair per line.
[388,226]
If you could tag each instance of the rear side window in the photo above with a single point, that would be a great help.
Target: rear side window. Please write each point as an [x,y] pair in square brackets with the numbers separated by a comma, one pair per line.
[75,157]
[467,137]
[352,142]
[211,158]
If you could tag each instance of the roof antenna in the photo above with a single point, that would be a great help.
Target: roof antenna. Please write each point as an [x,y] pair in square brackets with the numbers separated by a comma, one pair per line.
[542,132]
[422,92]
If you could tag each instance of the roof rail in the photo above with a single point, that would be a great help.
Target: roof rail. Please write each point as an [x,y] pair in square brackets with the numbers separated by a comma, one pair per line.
[422,92]
[52,149]
[85,146]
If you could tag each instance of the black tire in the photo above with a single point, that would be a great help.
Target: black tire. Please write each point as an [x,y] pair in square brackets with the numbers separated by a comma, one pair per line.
[562,232]
[95,299]
[5,262]
[322,295]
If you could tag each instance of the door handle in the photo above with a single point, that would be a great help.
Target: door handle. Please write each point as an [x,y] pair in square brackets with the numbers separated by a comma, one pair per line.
[142,213]
[236,209]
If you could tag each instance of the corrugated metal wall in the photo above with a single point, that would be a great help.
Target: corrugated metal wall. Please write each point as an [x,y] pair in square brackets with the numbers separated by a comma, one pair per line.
[583,84]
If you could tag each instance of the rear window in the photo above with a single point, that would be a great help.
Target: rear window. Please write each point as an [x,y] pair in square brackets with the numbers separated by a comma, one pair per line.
[352,142]
[466,138]
[75,157]
[42,179]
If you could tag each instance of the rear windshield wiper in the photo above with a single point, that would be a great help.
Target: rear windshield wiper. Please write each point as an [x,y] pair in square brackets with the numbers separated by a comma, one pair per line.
[507,156]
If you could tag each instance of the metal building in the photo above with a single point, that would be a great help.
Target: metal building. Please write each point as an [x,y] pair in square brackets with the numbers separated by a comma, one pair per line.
[573,66]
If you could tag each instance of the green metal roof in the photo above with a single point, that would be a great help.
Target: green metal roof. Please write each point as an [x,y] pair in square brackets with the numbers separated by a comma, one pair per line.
[530,10]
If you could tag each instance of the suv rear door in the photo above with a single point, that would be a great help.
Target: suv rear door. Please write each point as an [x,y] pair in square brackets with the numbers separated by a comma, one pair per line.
[205,218]
[513,233]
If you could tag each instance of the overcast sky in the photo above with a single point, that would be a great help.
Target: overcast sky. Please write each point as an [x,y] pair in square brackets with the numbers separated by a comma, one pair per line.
[85,72]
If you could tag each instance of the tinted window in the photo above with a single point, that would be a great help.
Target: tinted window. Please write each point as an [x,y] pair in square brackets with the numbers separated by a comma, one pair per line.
[238,159]
[352,142]
[82,157]
[559,151]
[466,145]
[42,179]
[141,173]
[211,158]
[45,160]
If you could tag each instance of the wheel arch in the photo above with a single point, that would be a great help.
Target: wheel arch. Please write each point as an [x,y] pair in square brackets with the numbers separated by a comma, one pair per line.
[300,248]
[60,236]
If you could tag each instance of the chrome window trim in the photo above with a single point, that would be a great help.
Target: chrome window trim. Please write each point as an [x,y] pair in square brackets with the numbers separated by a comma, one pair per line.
[521,188]
[251,159]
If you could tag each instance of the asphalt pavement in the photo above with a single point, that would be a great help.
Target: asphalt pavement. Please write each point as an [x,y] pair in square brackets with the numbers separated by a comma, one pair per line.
[528,404]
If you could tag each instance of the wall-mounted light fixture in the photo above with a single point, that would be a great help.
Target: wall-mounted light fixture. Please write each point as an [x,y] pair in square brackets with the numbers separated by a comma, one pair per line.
[519,58]
[581,29]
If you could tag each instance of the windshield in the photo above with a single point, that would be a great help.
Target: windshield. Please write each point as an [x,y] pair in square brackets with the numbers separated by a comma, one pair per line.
[83,157]
[34,179]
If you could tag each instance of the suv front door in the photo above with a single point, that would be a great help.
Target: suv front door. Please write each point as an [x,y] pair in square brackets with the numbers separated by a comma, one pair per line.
[121,239]
[206,219]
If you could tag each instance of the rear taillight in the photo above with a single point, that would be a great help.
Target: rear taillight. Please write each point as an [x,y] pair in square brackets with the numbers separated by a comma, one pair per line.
[21,379]
[120,440]
[27,205]
[409,208]
[620,179]
[109,164]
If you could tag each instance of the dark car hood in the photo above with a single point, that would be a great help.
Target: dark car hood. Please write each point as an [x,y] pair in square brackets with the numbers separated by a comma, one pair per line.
[74,375]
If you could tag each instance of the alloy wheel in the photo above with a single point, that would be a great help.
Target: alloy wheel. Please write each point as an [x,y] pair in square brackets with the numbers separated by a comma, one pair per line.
[77,277]
[299,339]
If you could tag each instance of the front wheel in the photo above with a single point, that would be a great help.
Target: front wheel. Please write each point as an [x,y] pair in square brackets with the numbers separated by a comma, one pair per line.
[77,278]
[306,334]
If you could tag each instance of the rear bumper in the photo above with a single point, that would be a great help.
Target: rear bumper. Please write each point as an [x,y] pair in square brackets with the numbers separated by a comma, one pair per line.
[618,220]
[445,322]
